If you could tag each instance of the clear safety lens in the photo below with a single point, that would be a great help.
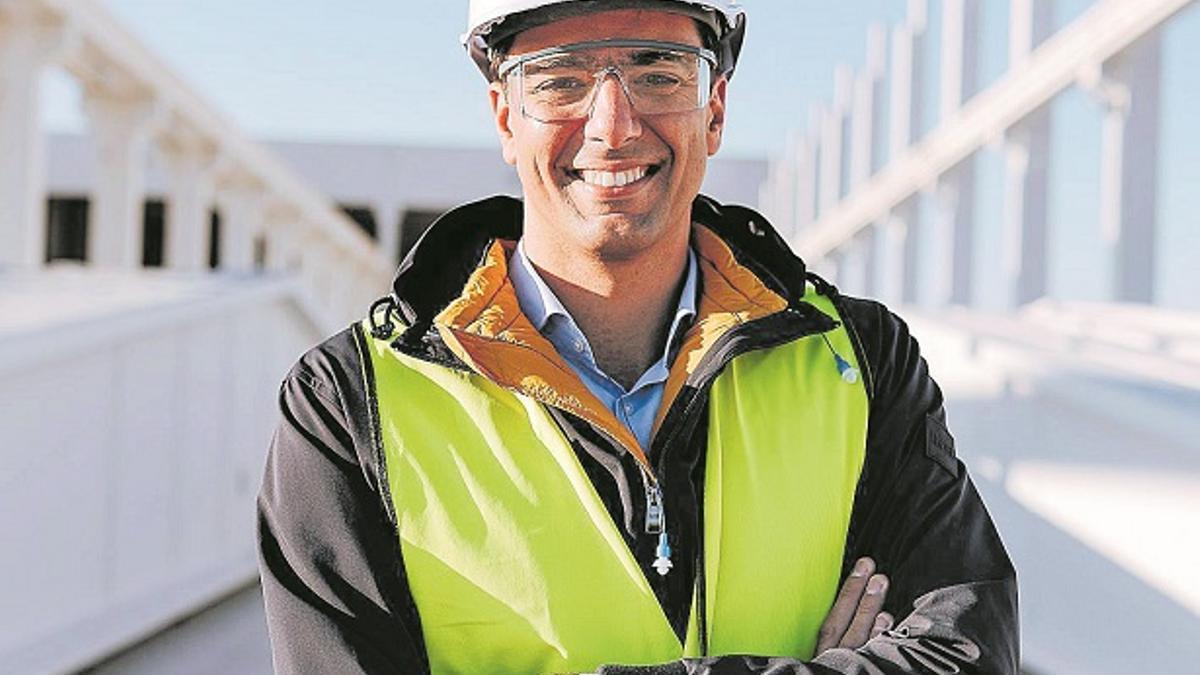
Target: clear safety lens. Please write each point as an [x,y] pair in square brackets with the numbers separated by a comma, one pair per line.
[659,78]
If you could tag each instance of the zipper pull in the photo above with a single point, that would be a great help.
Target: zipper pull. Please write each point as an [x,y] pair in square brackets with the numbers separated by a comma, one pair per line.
[663,563]
[654,509]
[656,523]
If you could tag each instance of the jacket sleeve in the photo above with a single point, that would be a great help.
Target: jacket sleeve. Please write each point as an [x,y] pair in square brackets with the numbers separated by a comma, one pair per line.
[918,514]
[328,554]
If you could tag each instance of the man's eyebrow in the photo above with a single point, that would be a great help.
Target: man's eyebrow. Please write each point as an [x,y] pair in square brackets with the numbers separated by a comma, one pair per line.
[558,61]
[654,56]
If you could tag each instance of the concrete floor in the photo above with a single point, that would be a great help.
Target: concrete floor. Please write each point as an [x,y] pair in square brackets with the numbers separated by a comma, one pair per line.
[229,637]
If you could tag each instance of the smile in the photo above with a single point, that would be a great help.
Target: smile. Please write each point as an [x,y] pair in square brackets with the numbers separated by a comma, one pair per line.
[610,179]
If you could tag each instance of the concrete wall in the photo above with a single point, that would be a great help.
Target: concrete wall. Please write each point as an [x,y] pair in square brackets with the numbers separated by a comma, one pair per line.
[132,444]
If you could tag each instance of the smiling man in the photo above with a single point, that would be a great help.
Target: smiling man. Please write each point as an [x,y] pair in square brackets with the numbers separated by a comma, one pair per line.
[616,426]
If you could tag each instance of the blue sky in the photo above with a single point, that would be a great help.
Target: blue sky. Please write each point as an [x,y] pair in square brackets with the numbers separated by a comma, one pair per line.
[393,71]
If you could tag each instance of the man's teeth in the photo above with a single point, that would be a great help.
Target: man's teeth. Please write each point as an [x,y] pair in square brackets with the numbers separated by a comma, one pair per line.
[613,178]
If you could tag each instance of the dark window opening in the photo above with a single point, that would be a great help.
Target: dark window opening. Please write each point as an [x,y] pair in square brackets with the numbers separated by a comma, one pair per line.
[365,218]
[66,229]
[260,253]
[412,226]
[154,217]
[214,239]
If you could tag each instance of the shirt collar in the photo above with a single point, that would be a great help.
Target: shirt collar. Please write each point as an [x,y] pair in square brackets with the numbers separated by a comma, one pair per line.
[539,303]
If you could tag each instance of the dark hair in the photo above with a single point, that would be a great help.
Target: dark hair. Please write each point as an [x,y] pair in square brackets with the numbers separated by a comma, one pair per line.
[497,54]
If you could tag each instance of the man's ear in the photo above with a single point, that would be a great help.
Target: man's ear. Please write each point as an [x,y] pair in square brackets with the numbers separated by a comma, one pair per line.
[716,115]
[501,114]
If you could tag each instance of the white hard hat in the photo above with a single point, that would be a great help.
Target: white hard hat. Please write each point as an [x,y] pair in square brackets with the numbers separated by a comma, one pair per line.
[491,21]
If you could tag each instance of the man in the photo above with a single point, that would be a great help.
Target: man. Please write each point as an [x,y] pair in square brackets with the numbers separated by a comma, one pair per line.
[617,427]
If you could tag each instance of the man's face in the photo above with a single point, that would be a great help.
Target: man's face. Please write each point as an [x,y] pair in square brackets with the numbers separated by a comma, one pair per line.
[561,164]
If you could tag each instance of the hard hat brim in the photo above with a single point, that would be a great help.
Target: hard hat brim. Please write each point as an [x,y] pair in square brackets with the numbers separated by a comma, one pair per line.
[485,36]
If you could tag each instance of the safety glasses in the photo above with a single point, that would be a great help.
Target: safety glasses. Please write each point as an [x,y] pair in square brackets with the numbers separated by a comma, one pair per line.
[559,84]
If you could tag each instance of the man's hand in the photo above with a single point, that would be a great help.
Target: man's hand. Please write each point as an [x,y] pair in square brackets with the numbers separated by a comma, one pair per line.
[857,614]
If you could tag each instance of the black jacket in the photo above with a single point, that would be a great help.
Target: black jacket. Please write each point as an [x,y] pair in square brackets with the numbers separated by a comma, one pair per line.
[336,593]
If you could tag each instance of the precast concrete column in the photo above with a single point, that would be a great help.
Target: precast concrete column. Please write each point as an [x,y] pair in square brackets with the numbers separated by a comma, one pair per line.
[889,258]
[280,249]
[899,255]
[805,206]
[936,251]
[868,108]
[242,200]
[867,112]
[852,266]
[909,213]
[346,274]
[388,215]
[30,40]
[907,79]
[1130,89]
[282,232]
[783,198]
[316,267]
[953,246]
[190,161]
[869,246]
[1024,257]
[833,137]
[1024,253]
[121,125]
[808,175]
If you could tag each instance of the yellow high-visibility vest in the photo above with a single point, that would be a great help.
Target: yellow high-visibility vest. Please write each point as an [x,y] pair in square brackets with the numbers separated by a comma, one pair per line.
[516,566]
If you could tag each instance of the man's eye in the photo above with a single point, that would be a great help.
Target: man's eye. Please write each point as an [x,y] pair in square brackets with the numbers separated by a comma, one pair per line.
[659,80]
[553,85]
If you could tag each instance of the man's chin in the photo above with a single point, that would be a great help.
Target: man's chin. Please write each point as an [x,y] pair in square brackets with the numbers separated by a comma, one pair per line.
[620,236]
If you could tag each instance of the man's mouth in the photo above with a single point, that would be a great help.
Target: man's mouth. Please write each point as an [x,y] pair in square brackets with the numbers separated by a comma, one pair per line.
[610,179]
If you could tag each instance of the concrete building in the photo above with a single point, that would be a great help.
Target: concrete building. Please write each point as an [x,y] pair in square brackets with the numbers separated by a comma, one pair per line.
[393,192]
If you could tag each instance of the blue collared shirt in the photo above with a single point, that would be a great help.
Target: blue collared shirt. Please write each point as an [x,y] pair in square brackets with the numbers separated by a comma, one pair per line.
[637,407]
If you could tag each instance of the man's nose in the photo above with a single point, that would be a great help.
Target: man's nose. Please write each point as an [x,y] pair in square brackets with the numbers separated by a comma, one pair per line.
[612,119]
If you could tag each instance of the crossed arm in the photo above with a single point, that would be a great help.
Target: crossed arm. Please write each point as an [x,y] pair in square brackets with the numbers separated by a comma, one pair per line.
[337,603]
[917,515]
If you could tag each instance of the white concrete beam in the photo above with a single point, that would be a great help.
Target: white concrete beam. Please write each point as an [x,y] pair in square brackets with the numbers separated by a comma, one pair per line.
[30,40]
[121,129]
